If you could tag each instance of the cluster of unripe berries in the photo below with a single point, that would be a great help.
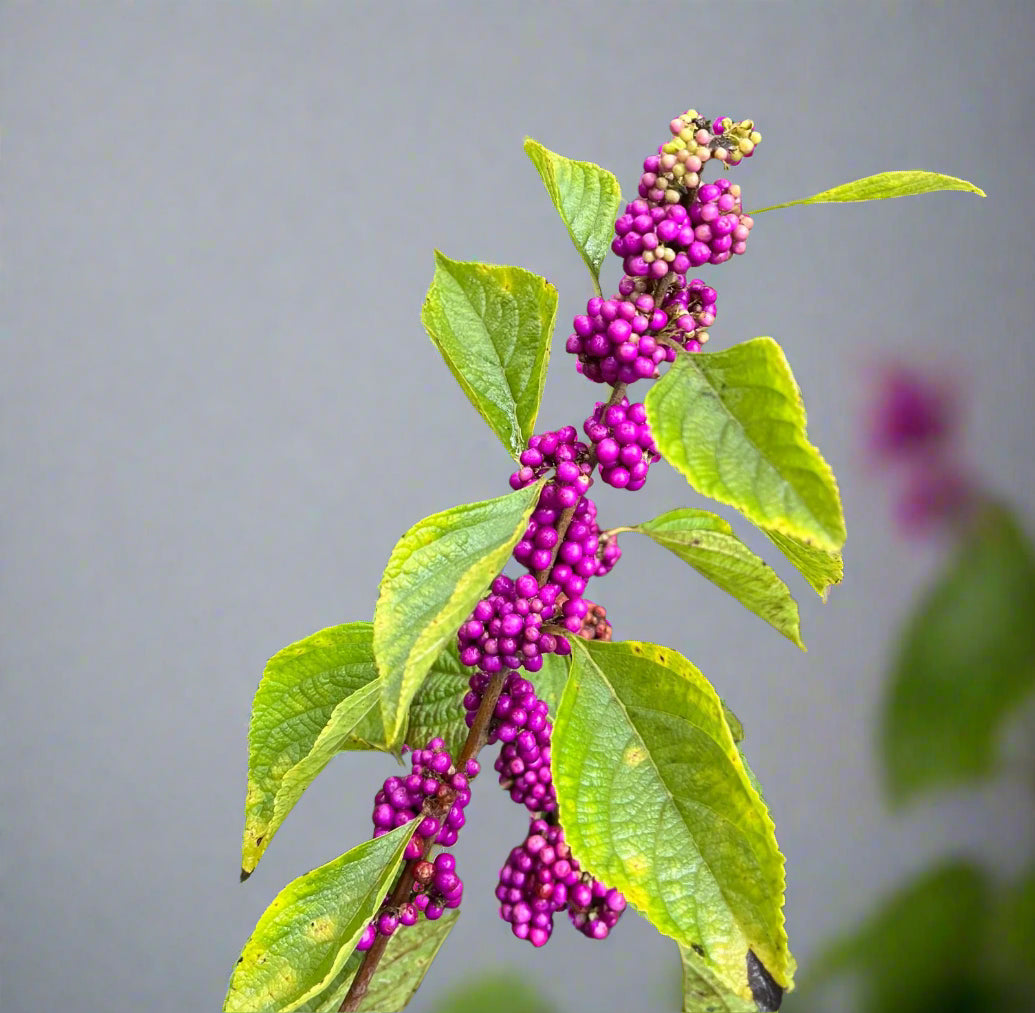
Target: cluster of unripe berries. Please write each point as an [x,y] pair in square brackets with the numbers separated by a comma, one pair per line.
[542,878]
[674,172]
[436,791]
[596,625]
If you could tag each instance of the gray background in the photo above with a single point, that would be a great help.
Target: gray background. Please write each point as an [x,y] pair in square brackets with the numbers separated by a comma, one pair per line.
[220,411]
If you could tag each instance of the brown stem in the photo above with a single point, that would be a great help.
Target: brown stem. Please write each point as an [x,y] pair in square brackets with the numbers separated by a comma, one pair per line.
[476,738]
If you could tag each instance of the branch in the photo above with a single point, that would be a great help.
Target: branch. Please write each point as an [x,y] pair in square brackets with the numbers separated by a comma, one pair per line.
[475,740]
[473,744]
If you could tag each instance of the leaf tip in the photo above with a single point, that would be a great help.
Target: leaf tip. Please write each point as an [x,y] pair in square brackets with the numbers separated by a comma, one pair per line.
[245,873]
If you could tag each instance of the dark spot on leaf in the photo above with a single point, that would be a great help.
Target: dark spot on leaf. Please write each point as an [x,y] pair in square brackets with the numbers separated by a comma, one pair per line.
[244,874]
[768,995]
[697,948]
[258,840]
[695,541]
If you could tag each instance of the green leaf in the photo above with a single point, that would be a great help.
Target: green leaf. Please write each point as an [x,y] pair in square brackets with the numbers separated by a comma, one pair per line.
[500,992]
[312,694]
[821,570]
[406,960]
[306,935]
[734,723]
[587,199]
[923,949]
[897,183]
[1012,937]
[435,575]
[733,424]
[966,660]
[703,992]
[708,544]
[493,326]
[655,801]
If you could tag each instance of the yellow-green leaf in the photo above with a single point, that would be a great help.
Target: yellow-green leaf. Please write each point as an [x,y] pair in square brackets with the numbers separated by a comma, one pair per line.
[435,575]
[821,570]
[587,199]
[493,326]
[655,801]
[733,424]
[708,544]
[311,696]
[406,961]
[307,934]
[882,186]
[965,662]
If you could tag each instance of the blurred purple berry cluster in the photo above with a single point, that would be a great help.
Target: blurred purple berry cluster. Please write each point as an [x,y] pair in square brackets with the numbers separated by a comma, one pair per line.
[915,425]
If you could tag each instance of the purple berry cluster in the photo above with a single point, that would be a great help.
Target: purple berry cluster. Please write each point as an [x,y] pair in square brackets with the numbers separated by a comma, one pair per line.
[616,340]
[505,628]
[542,878]
[437,791]
[720,227]
[522,723]
[432,776]
[561,452]
[670,237]
[676,224]
[625,448]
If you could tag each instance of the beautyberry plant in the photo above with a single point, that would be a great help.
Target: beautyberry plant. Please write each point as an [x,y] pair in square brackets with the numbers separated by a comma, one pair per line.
[623,754]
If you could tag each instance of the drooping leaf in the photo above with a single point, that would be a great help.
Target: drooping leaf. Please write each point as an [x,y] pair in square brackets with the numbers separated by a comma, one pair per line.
[966,660]
[587,199]
[498,992]
[896,183]
[704,992]
[708,544]
[306,935]
[493,326]
[821,570]
[655,801]
[733,424]
[406,961]
[312,694]
[922,950]
[435,575]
